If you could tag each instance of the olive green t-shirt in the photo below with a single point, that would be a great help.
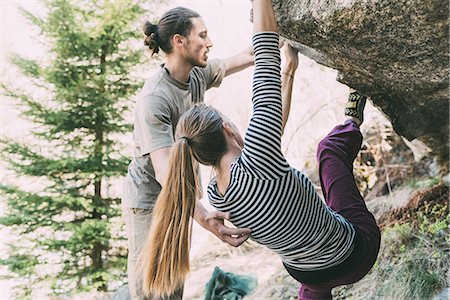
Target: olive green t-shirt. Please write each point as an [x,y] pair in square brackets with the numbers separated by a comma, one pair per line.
[159,106]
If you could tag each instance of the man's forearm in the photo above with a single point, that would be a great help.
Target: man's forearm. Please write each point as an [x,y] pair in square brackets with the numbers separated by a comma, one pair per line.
[214,223]
[160,161]
[239,61]
[200,214]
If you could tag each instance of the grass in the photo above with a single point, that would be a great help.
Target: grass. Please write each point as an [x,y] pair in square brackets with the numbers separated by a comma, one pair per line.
[413,263]
[424,183]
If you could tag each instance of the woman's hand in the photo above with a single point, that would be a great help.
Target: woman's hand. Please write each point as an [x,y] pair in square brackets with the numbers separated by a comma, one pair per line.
[287,78]
[291,56]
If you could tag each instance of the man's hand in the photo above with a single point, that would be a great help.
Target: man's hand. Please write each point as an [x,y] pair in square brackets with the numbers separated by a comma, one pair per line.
[214,222]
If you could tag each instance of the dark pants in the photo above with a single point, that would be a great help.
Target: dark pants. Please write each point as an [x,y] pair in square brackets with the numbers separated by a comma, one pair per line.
[336,153]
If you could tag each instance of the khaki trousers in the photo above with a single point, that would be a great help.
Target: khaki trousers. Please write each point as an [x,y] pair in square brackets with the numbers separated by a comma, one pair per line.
[138,223]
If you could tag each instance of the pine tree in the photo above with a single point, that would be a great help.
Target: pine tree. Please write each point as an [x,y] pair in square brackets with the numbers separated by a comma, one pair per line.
[65,229]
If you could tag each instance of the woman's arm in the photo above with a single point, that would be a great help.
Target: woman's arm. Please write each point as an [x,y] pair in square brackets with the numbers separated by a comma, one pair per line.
[262,147]
[263,16]
[287,80]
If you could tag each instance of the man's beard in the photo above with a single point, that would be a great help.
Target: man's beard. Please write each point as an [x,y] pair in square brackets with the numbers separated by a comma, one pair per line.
[196,62]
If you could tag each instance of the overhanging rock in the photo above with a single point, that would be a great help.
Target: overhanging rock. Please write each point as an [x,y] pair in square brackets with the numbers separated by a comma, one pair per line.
[396,52]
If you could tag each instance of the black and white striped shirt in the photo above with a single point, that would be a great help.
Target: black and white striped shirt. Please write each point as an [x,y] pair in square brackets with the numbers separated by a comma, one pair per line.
[265,194]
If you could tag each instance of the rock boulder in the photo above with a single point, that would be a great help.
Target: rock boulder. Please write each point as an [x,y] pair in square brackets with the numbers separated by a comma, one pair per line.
[396,52]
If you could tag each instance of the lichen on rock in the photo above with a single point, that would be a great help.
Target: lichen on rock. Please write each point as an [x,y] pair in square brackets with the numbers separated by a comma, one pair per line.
[396,52]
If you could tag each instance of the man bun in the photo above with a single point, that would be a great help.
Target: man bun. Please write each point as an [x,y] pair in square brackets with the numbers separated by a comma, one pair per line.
[151,36]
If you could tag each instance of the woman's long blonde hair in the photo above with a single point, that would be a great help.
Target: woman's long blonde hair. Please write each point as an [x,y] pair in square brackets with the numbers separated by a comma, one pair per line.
[165,257]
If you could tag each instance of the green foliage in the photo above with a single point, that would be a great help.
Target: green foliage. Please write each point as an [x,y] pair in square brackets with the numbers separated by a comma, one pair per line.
[412,263]
[22,264]
[436,222]
[77,98]
[425,183]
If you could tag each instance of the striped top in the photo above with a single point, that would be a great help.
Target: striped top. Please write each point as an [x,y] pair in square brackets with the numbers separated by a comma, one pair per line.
[265,194]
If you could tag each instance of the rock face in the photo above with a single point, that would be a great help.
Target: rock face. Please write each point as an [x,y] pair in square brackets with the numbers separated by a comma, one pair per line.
[396,52]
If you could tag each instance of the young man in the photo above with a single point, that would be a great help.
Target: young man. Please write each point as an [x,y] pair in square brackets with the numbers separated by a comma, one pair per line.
[177,86]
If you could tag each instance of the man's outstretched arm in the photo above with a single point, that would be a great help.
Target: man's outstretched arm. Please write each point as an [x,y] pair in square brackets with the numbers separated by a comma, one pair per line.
[239,61]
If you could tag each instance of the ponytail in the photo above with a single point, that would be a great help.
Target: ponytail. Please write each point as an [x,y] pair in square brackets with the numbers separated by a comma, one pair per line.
[165,257]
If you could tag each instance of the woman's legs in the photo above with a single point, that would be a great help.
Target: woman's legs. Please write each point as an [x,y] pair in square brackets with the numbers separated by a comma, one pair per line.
[336,154]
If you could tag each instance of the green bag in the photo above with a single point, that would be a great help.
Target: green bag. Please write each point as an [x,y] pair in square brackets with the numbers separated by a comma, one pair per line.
[229,286]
